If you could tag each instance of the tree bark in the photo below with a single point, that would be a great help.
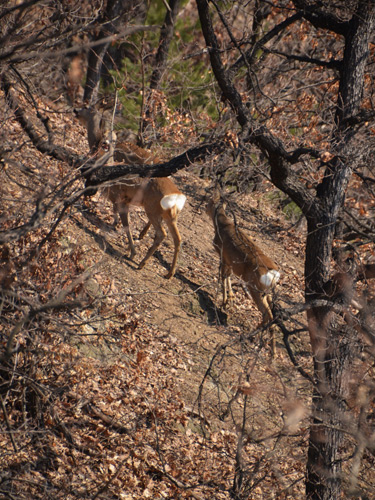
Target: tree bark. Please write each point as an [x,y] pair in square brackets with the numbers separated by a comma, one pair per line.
[161,57]
[333,342]
[324,477]
[166,35]
[334,346]
[110,21]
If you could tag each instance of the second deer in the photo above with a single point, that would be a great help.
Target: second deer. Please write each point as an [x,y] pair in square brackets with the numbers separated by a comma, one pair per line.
[159,196]
[238,253]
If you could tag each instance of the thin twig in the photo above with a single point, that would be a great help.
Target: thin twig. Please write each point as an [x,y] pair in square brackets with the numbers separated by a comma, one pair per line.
[8,424]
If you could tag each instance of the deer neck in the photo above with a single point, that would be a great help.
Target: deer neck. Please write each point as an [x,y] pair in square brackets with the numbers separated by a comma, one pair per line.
[94,133]
[220,217]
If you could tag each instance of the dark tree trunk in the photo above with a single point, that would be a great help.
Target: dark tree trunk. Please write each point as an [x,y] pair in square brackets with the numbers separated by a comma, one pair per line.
[324,477]
[110,21]
[333,342]
[166,35]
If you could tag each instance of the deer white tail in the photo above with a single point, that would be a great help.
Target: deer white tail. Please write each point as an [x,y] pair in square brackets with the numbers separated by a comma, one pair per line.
[173,200]
[160,197]
[270,279]
[240,255]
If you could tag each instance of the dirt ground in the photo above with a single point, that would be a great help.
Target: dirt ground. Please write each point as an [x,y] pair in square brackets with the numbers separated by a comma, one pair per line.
[187,308]
[212,360]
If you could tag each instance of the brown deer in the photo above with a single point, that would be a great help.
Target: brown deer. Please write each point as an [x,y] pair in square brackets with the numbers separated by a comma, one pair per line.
[238,253]
[160,197]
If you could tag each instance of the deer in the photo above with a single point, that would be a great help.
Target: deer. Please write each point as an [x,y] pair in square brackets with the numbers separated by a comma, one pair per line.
[159,196]
[240,255]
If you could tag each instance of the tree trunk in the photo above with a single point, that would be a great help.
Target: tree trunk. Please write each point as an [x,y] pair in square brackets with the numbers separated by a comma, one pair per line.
[333,343]
[166,35]
[332,367]
[110,21]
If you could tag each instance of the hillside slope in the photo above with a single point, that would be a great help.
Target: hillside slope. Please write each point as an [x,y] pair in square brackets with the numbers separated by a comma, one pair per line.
[188,307]
[151,378]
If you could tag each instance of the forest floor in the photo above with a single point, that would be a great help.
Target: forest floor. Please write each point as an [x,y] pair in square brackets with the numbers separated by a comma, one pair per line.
[158,380]
[187,308]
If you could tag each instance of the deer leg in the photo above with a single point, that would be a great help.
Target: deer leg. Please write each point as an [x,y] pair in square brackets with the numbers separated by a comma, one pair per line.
[160,234]
[273,328]
[172,226]
[115,216]
[263,303]
[144,230]
[227,291]
[228,294]
[124,216]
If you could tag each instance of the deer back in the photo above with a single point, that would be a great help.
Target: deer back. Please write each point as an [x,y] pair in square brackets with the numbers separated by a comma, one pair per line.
[127,152]
[154,194]
[127,190]
[162,195]
[240,253]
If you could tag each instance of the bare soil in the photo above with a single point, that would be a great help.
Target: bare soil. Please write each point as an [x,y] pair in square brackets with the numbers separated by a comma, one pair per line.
[187,308]
[172,334]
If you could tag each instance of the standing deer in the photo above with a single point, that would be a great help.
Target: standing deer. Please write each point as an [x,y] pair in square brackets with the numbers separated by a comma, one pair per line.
[238,253]
[160,197]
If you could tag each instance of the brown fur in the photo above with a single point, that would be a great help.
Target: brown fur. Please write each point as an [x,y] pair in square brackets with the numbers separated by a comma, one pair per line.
[132,190]
[147,193]
[238,253]
[127,152]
